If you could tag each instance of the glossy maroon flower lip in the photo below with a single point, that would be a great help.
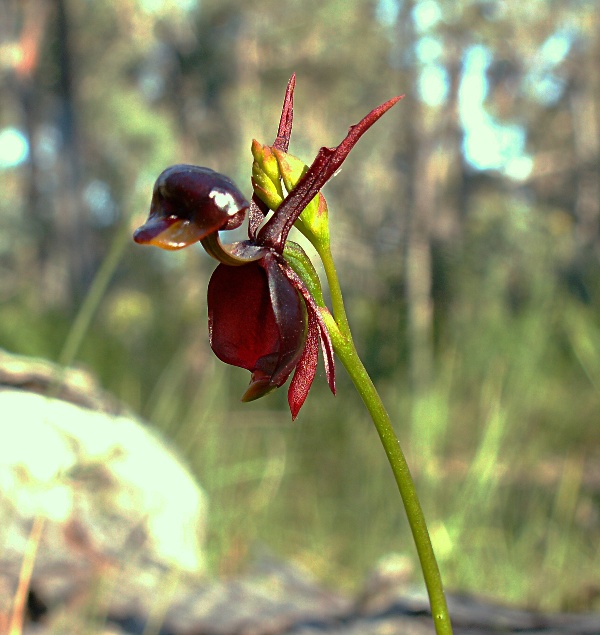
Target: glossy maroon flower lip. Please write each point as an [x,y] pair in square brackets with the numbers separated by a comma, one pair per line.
[174,221]
[168,232]
[262,316]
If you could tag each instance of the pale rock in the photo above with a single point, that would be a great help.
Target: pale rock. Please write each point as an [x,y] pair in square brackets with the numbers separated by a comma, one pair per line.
[110,490]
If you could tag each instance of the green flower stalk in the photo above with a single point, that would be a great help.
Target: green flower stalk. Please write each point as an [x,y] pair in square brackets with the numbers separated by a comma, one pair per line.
[266,308]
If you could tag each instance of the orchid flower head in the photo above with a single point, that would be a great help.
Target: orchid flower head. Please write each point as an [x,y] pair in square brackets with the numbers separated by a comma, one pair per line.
[261,314]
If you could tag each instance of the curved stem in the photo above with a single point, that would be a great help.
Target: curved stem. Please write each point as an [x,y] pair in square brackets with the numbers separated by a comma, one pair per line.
[346,351]
[337,301]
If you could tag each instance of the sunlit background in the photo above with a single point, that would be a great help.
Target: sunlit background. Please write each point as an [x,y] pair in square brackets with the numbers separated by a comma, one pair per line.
[465,225]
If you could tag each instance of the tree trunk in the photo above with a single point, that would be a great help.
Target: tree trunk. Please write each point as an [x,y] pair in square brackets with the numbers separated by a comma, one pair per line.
[586,140]
[71,241]
[421,199]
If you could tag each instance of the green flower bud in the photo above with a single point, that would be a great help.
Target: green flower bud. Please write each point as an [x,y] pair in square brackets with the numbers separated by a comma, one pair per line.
[264,157]
[264,189]
[266,178]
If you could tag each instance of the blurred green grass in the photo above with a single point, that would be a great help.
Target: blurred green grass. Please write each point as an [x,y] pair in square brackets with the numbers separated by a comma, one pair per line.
[503,443]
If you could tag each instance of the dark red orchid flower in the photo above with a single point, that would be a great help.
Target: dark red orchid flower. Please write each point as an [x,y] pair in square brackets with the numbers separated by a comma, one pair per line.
[261,315]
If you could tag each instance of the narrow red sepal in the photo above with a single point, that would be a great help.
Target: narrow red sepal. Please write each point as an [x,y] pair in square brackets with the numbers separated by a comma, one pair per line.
[284,132]
[306,368]
[258,209]
[313,310]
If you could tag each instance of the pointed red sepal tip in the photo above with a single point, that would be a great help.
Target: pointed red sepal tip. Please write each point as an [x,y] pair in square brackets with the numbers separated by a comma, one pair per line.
[284,132]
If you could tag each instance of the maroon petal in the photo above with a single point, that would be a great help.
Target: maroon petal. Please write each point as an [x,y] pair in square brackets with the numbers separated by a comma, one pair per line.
[306,368]
[327,348]
[326,163]
[315,314]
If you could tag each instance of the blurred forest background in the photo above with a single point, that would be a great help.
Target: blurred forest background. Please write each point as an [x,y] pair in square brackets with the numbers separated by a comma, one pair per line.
[466,230]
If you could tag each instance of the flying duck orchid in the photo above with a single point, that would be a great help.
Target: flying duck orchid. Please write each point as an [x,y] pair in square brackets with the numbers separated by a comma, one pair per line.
[264,300]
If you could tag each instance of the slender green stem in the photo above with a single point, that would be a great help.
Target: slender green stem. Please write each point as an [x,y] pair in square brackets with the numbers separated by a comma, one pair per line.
[337,301]
[346,351]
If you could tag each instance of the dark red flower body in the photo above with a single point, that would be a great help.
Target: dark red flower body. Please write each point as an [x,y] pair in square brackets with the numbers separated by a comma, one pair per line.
[257,320]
